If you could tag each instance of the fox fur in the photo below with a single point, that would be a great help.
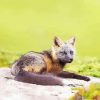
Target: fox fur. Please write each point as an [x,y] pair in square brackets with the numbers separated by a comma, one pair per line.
[46,68]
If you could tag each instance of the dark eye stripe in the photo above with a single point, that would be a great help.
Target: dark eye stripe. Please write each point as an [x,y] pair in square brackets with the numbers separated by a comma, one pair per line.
[65,52]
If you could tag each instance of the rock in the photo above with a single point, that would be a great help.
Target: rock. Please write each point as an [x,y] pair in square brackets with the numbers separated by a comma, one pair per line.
[14,90]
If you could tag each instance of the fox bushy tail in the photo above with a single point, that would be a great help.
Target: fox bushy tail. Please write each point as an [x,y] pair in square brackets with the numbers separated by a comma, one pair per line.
[39,79]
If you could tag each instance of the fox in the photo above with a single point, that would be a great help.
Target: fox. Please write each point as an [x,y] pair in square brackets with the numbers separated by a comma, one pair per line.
[47,67]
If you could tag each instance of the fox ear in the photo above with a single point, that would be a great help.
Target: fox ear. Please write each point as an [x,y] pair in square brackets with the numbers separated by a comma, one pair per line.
[71,40]
[57,42]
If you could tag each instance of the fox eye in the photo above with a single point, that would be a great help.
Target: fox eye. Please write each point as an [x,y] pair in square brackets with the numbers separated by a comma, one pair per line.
[71,52]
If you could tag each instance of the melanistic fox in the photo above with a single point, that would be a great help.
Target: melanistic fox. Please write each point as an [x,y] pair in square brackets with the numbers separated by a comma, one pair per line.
[46,68]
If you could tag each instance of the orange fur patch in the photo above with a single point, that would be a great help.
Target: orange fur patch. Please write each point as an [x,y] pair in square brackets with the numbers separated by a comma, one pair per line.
[52,67]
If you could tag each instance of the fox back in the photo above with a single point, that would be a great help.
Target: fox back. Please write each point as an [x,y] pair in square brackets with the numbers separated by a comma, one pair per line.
[50,61]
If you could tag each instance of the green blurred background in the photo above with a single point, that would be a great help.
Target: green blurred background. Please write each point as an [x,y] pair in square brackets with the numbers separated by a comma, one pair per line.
[27,25]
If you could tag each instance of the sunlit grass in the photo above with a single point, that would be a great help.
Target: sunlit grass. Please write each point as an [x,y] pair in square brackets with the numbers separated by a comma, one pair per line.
[6,58]
[85,66]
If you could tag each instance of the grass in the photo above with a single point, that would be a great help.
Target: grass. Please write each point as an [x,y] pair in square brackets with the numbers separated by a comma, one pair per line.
[6,58]
[85,66]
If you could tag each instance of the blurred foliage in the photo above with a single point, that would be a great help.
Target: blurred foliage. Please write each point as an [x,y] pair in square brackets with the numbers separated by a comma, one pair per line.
[86,66]
[93,92]
[7,58]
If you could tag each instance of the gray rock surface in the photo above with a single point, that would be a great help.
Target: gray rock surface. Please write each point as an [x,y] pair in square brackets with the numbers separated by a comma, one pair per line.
[13,90]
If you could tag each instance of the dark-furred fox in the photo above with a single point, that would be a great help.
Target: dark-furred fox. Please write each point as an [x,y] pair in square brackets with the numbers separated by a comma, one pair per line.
[46,68]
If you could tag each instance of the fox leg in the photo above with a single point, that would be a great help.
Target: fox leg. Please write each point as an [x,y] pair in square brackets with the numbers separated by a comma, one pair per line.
[66,74]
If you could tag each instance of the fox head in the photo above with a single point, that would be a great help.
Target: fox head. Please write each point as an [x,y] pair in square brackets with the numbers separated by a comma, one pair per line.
[63,51]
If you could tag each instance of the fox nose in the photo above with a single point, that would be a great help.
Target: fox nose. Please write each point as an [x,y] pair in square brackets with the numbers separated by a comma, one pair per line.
[71,59]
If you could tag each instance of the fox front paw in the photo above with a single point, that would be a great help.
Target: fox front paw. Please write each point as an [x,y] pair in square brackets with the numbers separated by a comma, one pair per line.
[86,78]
